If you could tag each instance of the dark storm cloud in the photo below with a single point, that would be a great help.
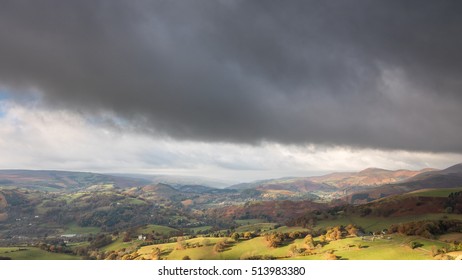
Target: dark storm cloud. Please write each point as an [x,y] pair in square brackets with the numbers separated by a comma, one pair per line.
[383,74]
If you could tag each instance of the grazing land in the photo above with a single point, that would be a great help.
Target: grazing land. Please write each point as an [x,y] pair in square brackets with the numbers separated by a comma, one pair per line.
[371,214]
[352,248]
[31,253]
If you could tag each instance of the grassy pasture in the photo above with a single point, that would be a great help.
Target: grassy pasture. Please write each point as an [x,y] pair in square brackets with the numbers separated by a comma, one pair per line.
[119,244]
[379,223]
[73,228]
[32,253]
[197,229]
[285,229]
[255,246]
[435,192]
[156,228]
[256,227]
[249,221]
[381,249]
[236,250]
[352,248]
[169,249]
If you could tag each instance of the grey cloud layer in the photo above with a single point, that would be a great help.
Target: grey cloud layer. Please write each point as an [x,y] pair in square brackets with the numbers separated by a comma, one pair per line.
[383,74]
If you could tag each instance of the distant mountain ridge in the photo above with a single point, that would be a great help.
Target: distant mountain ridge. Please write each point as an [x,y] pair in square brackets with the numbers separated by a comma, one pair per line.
[365,185]
[370,177]
[450,177]
[174,180]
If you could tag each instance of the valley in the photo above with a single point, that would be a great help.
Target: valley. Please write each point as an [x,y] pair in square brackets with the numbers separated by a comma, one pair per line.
[370,214]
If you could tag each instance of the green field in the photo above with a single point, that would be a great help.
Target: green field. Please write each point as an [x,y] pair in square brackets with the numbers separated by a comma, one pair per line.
[435,192]
[255,246]
[285,229]
[75,229]
[155,228]
[380,223]
[249,221]
[119,244]
[355,248]
[32,253]
[256,227]
[197,229]
[352,248]
[169,249]
[73,196]
[393,247]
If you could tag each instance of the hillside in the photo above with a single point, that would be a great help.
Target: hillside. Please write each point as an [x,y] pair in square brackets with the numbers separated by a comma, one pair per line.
[3,206]
[301,184]
[340,182]
[455,170]
[200,189]
[367,177]
[95,212]
[174,181]
[278,211]
[448,178]
[52,180]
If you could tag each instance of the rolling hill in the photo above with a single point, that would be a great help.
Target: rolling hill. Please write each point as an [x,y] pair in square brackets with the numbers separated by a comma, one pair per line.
[367,177]
[52,180]
[340,181]
[114,211]
[442,179]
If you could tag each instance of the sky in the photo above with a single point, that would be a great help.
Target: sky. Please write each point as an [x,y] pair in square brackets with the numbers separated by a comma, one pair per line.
[233,90]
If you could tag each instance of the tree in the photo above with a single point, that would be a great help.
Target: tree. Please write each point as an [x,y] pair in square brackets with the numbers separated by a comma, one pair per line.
[434,251]
[155,253]
[112,256]
[293,251]
[186,257]
[127,237]
[309,241]
[334,233]
[180,243]
[248,235]
[219,246]
[235,236]
[293,235]
[275,239]
[415,244]
[149,237]
[352,230]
